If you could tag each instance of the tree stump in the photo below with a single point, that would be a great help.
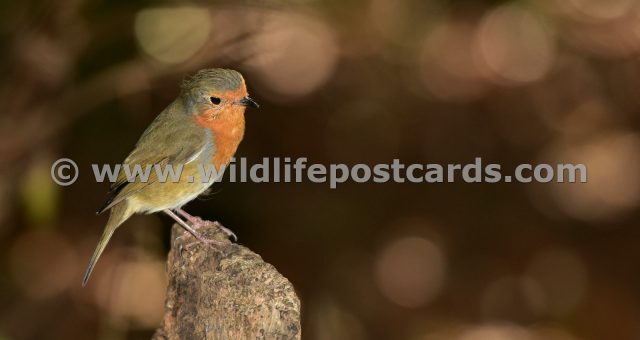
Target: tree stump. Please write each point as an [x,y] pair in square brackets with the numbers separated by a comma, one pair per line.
[225,292]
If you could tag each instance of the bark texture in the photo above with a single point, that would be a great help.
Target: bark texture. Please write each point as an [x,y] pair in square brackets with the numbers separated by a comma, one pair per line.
[225,292]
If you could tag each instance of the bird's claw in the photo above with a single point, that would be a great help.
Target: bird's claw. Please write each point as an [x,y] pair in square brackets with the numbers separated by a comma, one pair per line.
[227,231]
[216,245]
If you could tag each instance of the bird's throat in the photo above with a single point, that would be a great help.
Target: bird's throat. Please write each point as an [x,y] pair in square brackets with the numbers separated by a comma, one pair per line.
[227,130]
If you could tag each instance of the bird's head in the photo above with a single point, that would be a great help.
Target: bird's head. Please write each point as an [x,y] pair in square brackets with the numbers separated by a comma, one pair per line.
[213,94]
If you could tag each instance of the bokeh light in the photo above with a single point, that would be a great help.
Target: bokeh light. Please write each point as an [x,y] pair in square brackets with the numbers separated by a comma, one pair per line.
[514,46]
[594,10]
[446,62]
[172,34]
[554,333]
[410,271]
[512,298]
[333,321]
[497,331]
[608,29]
[294,55]
[613,187]
[40,195]
[133,293]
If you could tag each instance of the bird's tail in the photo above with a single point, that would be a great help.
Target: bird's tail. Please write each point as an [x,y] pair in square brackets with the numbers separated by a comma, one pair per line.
[119,214]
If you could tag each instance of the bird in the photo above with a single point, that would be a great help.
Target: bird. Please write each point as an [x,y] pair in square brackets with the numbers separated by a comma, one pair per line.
[203,125]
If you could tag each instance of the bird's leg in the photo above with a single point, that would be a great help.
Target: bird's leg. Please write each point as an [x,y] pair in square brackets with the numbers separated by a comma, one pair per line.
[197,222]
[193,232]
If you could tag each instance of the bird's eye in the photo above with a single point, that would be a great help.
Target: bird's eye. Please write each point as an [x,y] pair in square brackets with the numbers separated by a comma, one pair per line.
[215,100]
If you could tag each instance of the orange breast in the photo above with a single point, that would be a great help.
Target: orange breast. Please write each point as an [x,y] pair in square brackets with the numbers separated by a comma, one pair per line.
[228,131]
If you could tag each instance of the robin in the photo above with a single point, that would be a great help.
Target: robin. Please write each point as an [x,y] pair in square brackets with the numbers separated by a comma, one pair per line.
[204,125]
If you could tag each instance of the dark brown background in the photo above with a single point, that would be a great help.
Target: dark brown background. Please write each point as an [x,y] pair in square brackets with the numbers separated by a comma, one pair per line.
[362,81]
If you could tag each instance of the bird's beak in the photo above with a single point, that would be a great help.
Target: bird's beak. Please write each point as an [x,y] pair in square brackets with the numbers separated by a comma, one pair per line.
[247,101]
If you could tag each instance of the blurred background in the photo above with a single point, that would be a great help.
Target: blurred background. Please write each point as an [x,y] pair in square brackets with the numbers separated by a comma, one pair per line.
[361,81]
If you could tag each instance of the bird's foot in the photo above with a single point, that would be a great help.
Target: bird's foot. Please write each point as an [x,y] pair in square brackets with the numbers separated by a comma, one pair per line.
[227,231]
[213,243]
[197,222]
[180,244]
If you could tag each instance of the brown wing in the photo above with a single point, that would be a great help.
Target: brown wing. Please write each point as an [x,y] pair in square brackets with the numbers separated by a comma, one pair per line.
[172,138]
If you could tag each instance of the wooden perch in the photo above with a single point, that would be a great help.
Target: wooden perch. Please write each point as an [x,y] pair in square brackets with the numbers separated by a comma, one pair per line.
[228,294]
